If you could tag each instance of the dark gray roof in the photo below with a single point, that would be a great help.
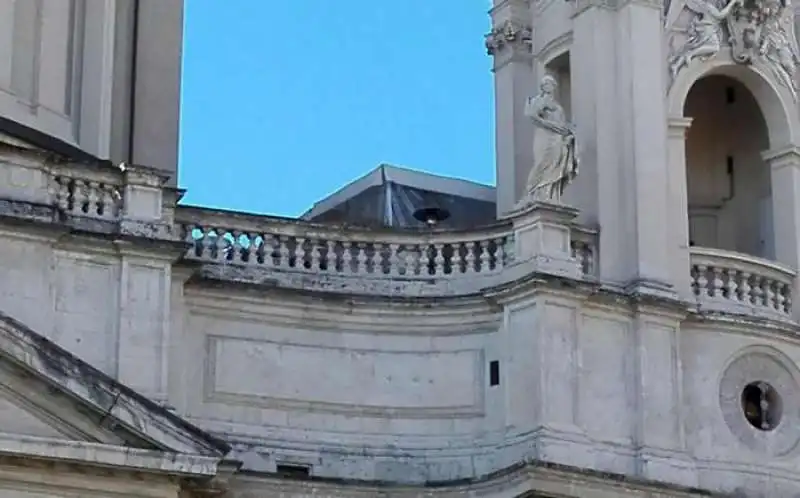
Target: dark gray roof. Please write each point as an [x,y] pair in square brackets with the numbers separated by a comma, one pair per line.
[389,196]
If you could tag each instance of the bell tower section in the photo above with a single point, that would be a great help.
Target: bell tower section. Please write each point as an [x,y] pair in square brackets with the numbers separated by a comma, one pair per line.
[607,57]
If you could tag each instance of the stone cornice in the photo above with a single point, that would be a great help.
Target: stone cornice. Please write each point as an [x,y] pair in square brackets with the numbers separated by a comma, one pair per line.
[523,479]
[105,455]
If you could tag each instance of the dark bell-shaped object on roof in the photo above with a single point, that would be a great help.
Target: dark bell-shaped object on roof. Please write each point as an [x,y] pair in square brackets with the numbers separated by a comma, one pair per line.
[431,216]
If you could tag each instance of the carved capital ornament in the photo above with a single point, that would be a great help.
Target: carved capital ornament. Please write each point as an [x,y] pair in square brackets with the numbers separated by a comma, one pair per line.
[510,34]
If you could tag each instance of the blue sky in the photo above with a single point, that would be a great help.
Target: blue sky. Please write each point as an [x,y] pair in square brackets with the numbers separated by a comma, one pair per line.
[286,101]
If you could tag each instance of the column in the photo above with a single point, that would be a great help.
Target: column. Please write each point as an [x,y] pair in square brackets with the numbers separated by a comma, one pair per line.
[509,43]
[678,202]
[784,167]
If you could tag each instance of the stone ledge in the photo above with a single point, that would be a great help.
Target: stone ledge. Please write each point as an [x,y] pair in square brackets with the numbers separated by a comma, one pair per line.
[123,458]
[524,479]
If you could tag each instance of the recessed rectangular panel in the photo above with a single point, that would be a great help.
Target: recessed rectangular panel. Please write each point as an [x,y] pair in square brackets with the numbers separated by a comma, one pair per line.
[366,382]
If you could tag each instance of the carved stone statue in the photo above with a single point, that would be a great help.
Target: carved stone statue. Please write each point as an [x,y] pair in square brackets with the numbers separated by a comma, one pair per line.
[778,47]
[555,162]
[705,33]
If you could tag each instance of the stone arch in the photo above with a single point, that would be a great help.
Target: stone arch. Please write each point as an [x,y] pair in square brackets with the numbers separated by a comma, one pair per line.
[776,102]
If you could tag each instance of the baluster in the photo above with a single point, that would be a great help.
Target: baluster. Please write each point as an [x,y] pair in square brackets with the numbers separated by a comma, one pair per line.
[362,260]
[702,281]
[395,260]
[745,290]
[458,258]
[266,250]
[438,259]
[347,257]
[411,257]
[283,251]
[93,206]
[425,259]
[259,254]
[732,286]
[758,291]
[485,256]
[248,252]
[62,193]
[787,298]
[107,204]
[80,197]
[717,284]
[780,296]
[234,246]
[299,254]
[499,254]
[215,243]
[770,296]
[330,256]
[471,258]
[316,255]
[196,249]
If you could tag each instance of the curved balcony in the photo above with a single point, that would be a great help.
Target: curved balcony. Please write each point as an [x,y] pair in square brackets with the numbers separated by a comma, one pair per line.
[262,249]
[732,282]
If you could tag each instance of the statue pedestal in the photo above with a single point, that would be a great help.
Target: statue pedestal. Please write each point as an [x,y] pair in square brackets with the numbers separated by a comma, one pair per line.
[542,238]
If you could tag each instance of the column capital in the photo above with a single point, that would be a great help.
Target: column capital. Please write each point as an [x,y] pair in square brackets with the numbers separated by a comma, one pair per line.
[677,126]
[781,157]
[511,38]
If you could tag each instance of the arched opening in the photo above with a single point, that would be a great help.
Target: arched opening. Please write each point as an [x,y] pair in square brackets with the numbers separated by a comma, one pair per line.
[728,182]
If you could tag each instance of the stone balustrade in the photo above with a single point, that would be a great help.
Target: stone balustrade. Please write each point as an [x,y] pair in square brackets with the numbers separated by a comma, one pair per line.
[234,243]
[87,191]
[739,283]
[292,245]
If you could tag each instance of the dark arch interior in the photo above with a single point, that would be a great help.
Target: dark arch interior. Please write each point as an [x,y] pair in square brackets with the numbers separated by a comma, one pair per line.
[728,183]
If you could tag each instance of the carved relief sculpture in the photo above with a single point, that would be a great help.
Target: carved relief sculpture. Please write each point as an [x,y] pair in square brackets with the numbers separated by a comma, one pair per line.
[778,45]
[757,31]
[705,33]
[555,162]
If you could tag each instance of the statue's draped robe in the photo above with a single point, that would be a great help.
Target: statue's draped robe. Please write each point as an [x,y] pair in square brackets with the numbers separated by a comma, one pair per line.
[555,162]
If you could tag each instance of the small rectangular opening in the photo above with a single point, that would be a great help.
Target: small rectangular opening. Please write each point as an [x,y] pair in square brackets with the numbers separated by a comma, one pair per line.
[494,373]
[730,95]
[293,470]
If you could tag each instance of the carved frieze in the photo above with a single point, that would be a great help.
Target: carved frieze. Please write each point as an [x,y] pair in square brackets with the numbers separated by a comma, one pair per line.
[757,31]
[510,34]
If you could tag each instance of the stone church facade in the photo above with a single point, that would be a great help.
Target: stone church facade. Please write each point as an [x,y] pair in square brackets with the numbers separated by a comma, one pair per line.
[640,339]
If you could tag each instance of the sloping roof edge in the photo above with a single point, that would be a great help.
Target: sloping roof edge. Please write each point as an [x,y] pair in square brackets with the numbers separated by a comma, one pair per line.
[100,393]
[386,173]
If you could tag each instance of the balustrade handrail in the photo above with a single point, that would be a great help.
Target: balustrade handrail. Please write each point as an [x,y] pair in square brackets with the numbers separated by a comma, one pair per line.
[248,222]
[101,172]
[756,265]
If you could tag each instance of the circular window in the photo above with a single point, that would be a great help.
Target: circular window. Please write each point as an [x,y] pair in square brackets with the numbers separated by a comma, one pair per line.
[759,395]
[762,405]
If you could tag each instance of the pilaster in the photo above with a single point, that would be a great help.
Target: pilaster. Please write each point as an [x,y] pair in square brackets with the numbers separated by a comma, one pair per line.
[509,43]
[145,284]
[784,167]
[658,393]
[620,110]
[678,206]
